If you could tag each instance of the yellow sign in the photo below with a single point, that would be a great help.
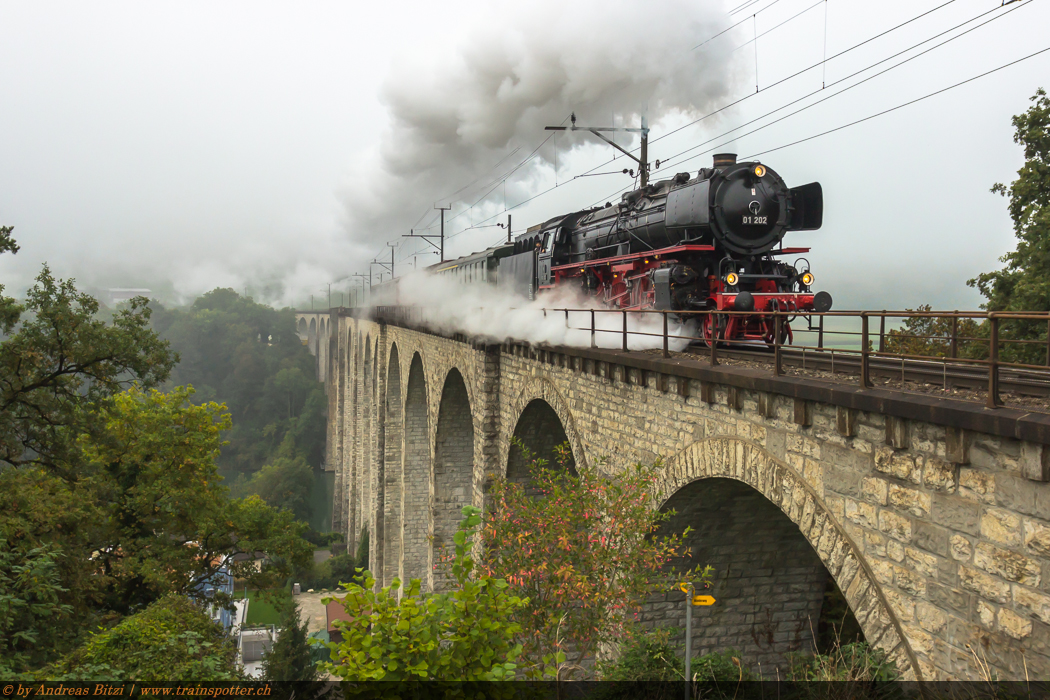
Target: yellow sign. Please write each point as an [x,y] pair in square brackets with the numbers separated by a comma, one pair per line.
[703,600]
[684,587]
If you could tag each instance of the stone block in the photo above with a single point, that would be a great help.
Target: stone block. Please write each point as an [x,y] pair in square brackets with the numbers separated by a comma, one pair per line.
[1013,625]
[912,500]
[895,550]
[839,480]
[894,525]
[1034,603]
[1037,536]
[988,587]
[939,475]
[931,537]
[1018,494]
[1035,461]
[976,485]
[930,618]
[957,445]
[1001,526]
[961,548]
[898,464]
[897,432]
[910,581]
[1007,564]
[861,513]
[874,490]
[955,513]
[948,598]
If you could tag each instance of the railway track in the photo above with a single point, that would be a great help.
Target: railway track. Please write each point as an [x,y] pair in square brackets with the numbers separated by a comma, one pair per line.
[927,372]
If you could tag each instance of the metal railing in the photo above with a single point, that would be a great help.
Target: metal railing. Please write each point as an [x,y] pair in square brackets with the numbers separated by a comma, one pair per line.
[969,341]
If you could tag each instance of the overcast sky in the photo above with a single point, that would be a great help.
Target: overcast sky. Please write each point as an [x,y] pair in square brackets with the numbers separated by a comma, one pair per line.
[280,146]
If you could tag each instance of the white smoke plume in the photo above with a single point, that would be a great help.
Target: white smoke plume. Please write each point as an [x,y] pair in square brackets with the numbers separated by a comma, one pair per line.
[472,115]
[446,305]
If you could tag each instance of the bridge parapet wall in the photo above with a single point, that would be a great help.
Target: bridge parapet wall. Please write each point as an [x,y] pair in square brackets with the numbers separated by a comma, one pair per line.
[932,516]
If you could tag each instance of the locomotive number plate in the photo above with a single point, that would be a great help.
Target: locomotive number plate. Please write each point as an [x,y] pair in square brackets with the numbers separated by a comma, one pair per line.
[755,219]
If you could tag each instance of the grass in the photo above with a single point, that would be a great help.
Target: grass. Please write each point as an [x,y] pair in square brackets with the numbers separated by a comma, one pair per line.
[261,609]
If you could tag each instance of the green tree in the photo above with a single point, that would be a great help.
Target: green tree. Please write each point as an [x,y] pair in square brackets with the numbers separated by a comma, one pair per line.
[286,481]
[62,364]
[465,634]
[249,356]
[585,552]
[171,640]
[171,524]
[1024,283]
[30,591]
[289,659]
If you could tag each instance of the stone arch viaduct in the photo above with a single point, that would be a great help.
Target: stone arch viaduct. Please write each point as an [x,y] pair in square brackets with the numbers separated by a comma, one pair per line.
[931,515]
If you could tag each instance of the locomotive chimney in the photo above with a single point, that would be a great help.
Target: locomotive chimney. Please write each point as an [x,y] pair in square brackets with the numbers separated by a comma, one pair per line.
[724,160]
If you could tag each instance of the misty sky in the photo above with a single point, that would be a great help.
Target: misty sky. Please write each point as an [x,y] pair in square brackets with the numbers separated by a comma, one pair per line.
[279,146]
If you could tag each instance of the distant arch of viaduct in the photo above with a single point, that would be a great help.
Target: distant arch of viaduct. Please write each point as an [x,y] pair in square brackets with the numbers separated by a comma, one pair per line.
[936,534]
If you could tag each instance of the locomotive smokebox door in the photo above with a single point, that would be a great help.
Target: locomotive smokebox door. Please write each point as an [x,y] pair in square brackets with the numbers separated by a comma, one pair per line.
[662,285]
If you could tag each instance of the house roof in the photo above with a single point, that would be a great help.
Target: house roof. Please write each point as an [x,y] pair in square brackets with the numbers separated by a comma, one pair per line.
[334,610]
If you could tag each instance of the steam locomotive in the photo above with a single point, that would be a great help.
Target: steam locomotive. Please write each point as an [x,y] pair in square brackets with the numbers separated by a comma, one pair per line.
[709,242]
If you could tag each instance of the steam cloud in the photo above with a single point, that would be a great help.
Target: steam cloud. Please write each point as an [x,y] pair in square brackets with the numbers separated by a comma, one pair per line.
[484,311]
[524,66]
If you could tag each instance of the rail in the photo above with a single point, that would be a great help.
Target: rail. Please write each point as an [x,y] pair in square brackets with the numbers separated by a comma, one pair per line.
[985,341]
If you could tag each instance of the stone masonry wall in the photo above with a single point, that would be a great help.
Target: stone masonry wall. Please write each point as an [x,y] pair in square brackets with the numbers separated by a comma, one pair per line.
[939,537]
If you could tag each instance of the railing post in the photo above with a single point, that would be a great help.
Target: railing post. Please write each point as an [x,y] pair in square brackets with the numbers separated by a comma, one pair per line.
[625,331]
[1048,343]
[955,337]
[714,337]
[864,351]
[882,331]
[666,353]
[993,363]
[820,333]
[593,344]
[778,361]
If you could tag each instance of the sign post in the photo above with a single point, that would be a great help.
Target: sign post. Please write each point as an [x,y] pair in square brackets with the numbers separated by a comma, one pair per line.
[690,601]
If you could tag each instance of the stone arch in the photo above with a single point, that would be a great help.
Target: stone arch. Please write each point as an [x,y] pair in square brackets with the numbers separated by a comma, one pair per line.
[311,336]
[415,485]
[711,465]
[542,390]
[301,328]
[453,466]
[392,478]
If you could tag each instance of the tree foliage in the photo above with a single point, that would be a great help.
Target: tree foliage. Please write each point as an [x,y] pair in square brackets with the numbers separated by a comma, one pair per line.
[1024,284]
[171,640]
[286,481]
[250,357]
[585,554]
[289,659]
[62,364]
[930,336]
[465,634]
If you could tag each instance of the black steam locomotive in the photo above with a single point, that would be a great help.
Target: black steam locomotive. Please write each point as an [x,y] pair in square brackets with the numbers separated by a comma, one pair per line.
[709,242]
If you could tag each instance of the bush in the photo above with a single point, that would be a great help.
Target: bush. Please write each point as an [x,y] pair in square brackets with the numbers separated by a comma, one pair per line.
[648,656]
[723,666]
[171,640]
[849,662]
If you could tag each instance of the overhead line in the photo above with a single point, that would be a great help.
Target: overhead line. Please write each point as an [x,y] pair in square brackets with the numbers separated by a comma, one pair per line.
[905,104]
[849,87]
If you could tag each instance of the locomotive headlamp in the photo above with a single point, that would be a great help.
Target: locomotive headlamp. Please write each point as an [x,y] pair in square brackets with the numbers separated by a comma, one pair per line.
[807,279]
[732,279]
[759,170]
